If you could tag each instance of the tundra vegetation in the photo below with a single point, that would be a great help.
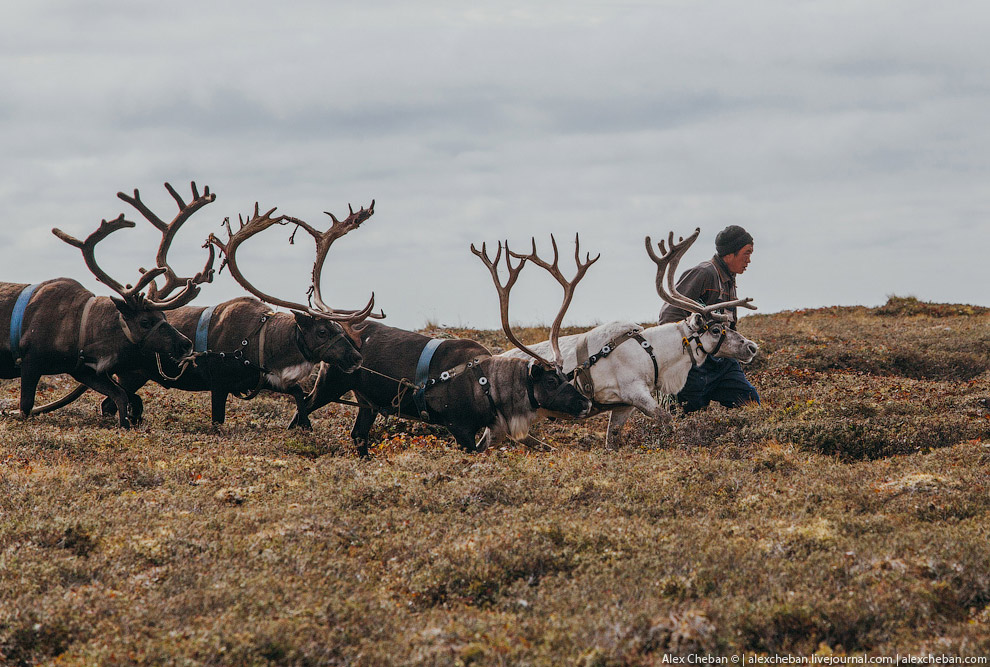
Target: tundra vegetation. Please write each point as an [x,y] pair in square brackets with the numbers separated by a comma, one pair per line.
[848,514]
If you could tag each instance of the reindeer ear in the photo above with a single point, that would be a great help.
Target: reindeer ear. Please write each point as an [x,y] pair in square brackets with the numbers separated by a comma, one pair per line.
[302,319]
[123,306]
[696,321]
[537,371]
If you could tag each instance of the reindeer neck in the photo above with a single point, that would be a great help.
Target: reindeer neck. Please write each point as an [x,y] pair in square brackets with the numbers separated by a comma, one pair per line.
[510,394]
[281,339]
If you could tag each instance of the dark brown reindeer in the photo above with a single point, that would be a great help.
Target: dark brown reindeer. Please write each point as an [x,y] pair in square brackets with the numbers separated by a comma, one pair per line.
[58,326]
[455,383]
[242,347]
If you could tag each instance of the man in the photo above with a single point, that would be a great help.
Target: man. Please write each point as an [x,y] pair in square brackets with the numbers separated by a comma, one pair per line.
[711,282]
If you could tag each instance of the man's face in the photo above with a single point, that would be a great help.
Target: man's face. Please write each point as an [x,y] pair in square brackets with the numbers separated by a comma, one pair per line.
[739,260]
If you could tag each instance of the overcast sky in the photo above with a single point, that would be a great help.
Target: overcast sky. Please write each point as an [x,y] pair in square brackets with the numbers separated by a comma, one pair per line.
[852,139]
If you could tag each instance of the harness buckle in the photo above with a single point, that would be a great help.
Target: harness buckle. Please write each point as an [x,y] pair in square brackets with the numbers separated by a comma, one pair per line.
[446,375]
[606,350]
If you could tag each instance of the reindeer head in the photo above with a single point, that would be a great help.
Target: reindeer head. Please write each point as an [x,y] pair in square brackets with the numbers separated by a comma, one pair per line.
[708,324]
[141,313]
[717,339]
[550,388]
[323,333]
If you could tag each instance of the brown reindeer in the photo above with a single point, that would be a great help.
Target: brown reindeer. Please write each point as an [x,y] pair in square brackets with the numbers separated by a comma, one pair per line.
[58,326]
[244,347]
[456,383]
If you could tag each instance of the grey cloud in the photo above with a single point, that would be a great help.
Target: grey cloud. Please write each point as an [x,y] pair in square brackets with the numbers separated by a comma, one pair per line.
[825,129]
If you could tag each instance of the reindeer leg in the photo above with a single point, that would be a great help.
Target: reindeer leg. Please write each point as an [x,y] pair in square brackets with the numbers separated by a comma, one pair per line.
[30,376]
[108,408]
[218,405]
[130,383]
[137,407]
[301,418]
[361,429]
[105,384]
[464,435]
[645,403]
[616,420]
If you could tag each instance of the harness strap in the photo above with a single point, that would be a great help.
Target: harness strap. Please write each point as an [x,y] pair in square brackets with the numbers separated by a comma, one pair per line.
[582,373]
[261,357]
[17,320]
[486,387]
[422,376]
[531,388]
[424,381]
[203,330]
[645,344]
[83,323]
[261,339]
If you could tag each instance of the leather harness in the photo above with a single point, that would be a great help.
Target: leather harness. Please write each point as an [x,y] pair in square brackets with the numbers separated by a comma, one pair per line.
[424,381]
[581,375]
[17,325]
[696,337]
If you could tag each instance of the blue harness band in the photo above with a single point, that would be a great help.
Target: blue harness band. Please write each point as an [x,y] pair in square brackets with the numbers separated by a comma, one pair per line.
[423,376]
[203,330]
[17,320]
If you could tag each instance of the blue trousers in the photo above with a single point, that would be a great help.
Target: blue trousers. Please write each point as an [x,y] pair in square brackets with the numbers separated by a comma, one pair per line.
[719,380]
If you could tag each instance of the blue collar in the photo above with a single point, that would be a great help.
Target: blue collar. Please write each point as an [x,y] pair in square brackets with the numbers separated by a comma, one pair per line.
[17,321]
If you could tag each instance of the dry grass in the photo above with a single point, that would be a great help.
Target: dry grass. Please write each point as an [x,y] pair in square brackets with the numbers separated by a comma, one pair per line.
[847,514]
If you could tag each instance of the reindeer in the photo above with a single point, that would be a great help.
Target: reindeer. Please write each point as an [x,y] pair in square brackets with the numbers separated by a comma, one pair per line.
[456,383]
[243,347]
[58,326]
[621,378]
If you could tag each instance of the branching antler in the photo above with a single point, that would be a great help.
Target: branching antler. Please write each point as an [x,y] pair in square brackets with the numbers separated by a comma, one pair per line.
[88,248]
[567,285]
[260,222]
[667,262]
[323,242]
[554,270]
[503,291]
[172,281]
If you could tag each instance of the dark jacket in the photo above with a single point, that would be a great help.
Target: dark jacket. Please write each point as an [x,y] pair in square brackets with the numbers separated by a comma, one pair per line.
[709,282]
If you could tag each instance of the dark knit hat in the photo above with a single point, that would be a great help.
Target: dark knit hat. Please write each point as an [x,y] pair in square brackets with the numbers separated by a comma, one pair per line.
[731,239]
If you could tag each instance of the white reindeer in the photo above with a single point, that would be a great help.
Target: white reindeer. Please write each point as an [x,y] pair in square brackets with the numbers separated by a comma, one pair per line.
[621,365]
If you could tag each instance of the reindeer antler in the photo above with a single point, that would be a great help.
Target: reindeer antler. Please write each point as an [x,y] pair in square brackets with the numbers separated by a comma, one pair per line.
[554,269]
[667,263]
[190,286]
[88,248]
[323,242]
[260,222]
[503,292]
[567,285]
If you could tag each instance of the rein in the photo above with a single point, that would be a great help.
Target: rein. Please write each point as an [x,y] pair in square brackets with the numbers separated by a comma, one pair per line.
[696,337]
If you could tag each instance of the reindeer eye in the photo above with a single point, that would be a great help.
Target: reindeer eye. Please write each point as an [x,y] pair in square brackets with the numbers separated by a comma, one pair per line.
[146,323]
[322,333]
